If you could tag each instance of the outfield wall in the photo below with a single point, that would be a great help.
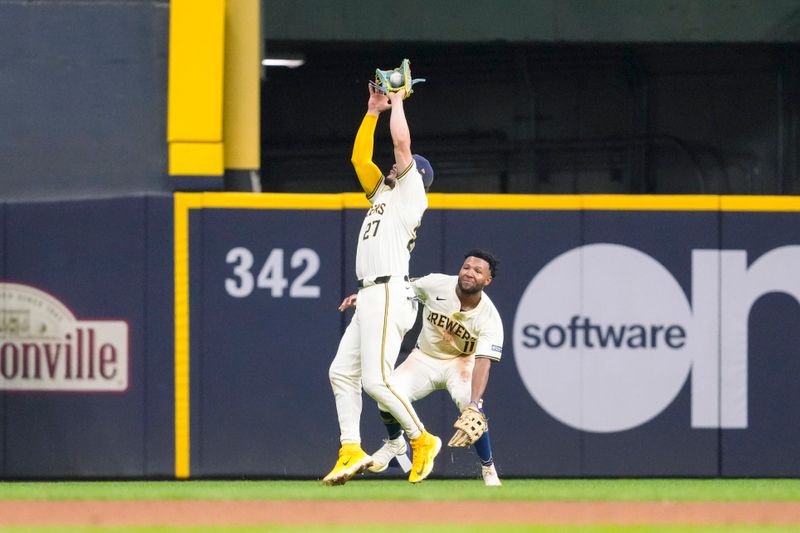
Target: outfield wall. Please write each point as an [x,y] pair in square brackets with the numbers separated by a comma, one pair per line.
[190,336]
[88,289]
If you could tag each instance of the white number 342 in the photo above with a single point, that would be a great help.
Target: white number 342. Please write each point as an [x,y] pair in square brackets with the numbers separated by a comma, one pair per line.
[271,274]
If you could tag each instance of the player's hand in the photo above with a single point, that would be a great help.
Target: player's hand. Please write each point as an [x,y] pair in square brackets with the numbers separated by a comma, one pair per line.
[347,303]
[378,102]
[397,95]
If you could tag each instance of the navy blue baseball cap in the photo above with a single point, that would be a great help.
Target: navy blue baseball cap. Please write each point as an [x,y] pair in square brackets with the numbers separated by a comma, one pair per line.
[425,169]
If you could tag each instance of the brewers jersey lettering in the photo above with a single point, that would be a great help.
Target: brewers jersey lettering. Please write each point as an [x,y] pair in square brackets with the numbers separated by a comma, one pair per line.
[389,230]
[449,342]
[448,332]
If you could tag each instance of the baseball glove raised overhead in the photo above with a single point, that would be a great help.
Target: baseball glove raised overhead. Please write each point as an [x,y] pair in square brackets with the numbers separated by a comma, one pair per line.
[470,425]
[389,81]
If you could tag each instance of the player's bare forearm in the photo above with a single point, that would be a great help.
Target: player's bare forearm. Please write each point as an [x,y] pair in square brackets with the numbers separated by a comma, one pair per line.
[480,377]
[398,127]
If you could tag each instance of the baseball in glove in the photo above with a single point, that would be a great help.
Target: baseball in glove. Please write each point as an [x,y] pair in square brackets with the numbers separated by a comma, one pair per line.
[389,81]
[470,425]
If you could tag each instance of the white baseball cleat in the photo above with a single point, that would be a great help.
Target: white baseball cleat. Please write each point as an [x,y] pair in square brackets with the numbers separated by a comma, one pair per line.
[391,449]
[490,477]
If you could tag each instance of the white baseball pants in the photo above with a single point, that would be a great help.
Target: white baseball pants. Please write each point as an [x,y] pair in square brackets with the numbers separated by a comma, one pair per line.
[420,375]
[367,354]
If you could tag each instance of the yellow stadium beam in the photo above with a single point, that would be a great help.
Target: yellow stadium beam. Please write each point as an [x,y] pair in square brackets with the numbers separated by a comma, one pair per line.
[241,118]
[195,94]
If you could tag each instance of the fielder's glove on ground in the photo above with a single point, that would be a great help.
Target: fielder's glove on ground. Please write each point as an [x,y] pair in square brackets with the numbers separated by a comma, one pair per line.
[469,428]
[390,81]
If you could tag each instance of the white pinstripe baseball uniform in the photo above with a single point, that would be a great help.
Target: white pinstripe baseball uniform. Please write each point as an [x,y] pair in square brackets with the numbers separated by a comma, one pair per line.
[386,310]
[449,341]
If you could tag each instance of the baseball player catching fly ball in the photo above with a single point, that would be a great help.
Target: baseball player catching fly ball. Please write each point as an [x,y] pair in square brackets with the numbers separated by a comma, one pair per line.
[387,306]
[461,335]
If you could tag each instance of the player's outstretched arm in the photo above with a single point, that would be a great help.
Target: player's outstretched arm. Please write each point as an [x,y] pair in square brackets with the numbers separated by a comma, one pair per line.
[401,135]
[369,175]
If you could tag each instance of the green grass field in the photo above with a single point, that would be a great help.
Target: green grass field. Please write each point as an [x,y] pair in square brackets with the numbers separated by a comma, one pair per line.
[660,490]
[722,490]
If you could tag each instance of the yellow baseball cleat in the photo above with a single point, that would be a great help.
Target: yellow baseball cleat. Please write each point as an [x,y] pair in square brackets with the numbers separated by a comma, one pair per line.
[425,447]
[352,460]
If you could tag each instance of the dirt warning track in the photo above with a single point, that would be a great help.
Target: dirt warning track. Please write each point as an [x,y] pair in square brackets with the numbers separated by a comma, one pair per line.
[217,513]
